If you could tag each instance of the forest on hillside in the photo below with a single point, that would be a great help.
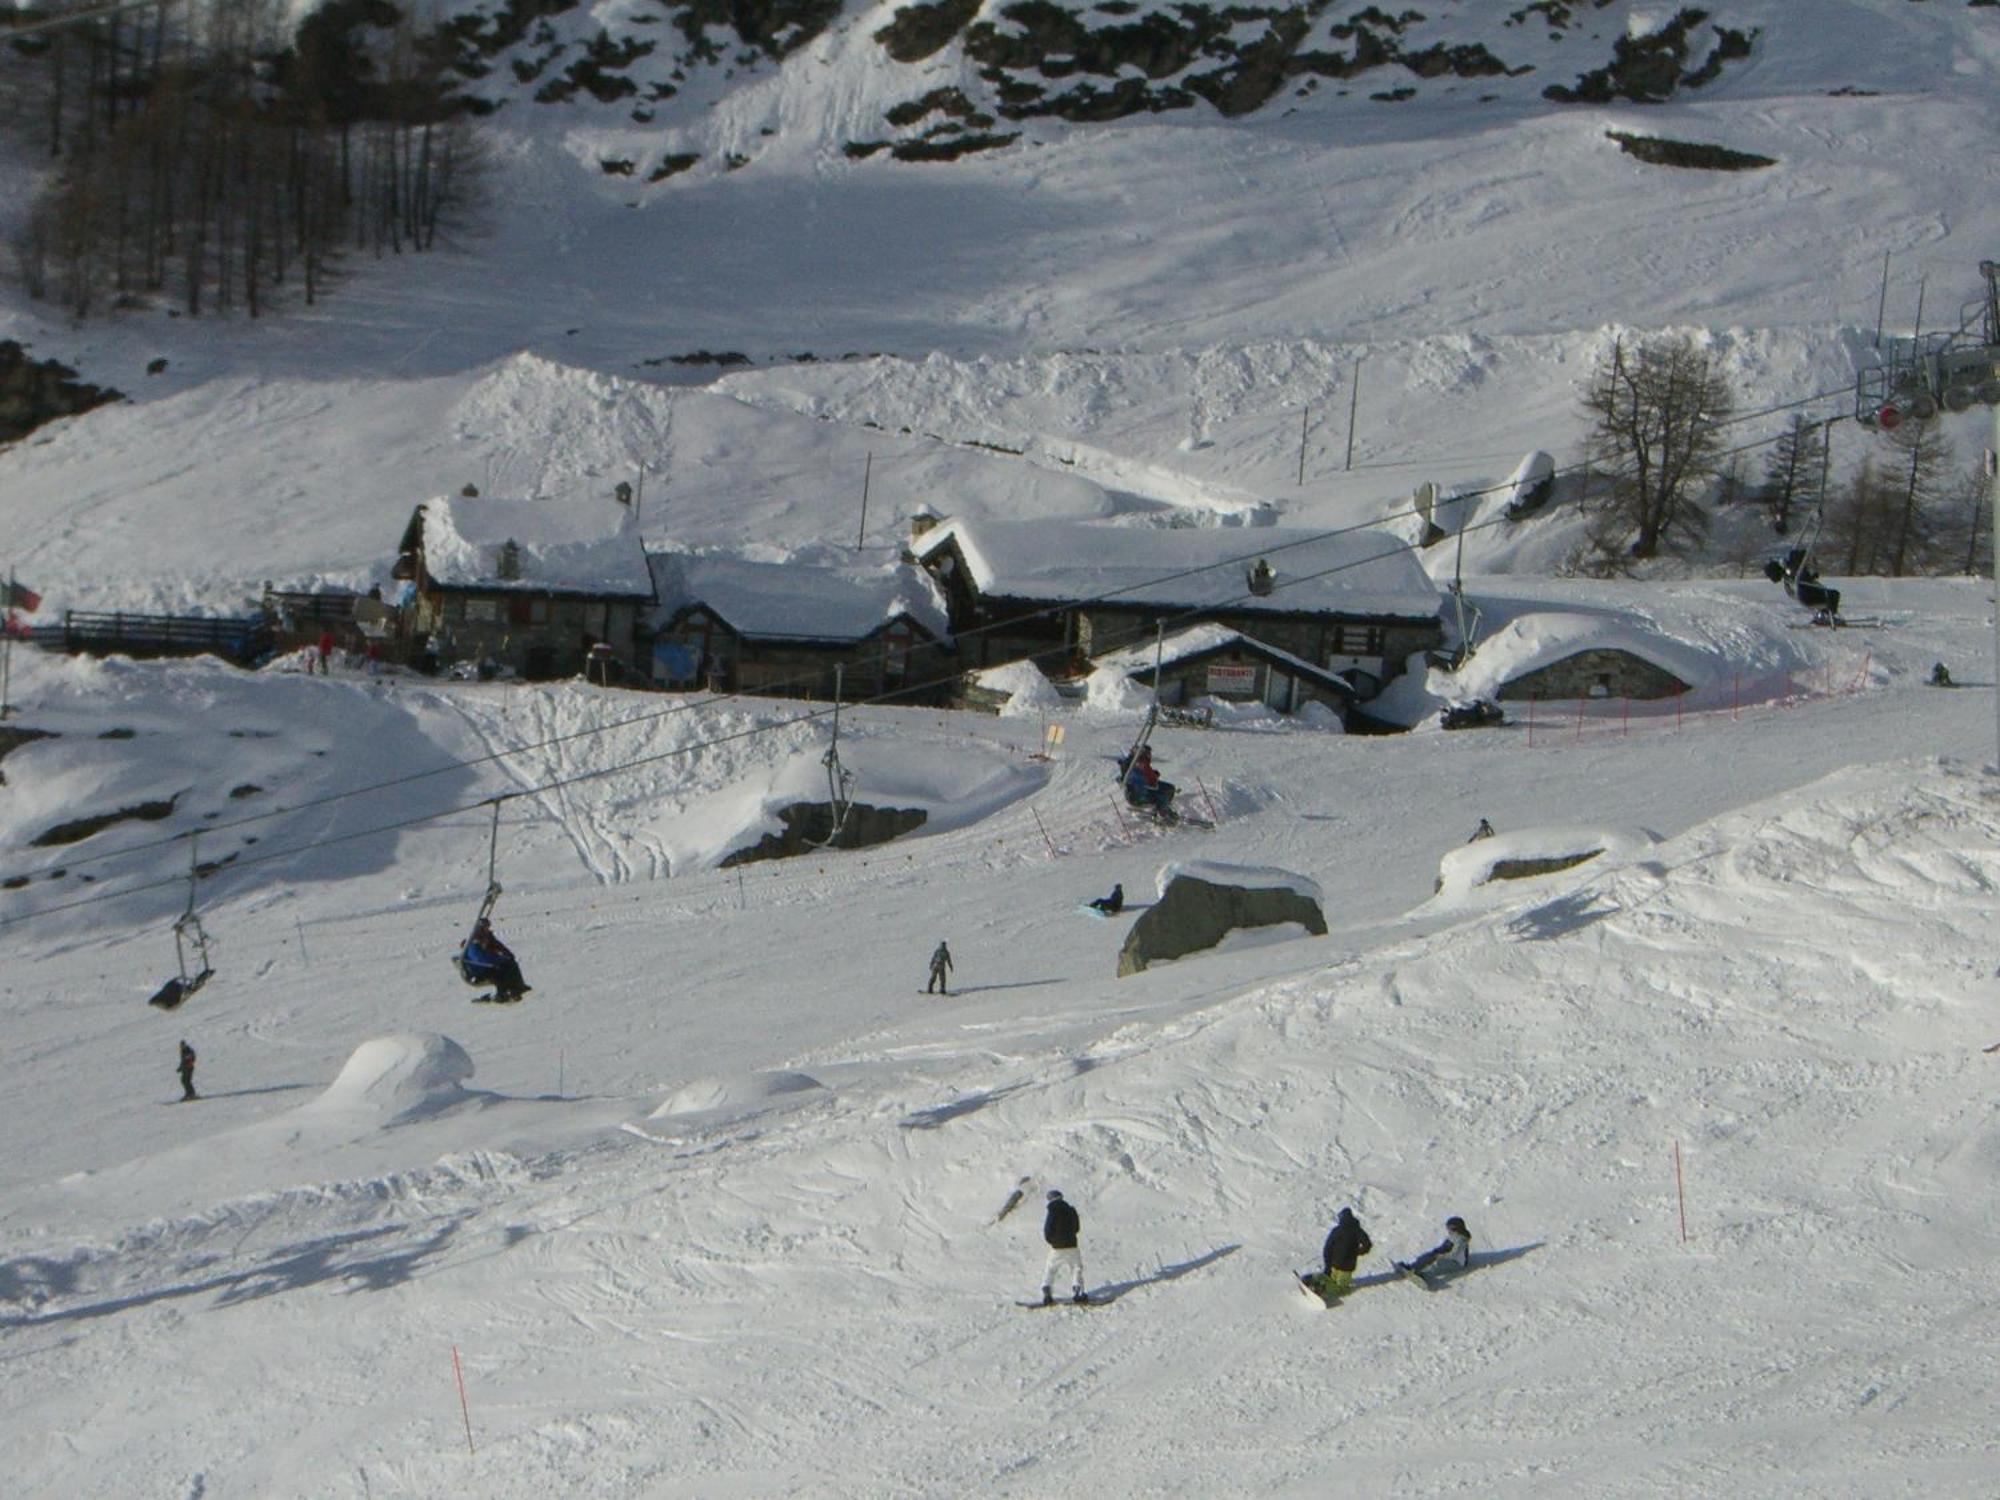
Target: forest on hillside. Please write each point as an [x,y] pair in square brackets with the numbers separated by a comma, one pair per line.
[208,158]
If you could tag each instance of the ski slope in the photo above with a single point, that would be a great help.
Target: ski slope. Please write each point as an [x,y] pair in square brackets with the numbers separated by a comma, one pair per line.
[714,1211]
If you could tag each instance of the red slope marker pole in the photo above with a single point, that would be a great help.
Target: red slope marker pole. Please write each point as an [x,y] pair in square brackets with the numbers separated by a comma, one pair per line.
[1045,834]
[459,1370]
[1680,1191]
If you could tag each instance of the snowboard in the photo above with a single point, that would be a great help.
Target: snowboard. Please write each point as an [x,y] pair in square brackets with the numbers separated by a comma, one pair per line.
[1307,1284]
[1093,911]
[1411,1273]
[1089,1301]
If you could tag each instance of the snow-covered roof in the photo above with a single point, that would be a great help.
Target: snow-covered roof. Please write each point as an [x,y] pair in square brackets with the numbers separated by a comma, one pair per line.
[798,601]
[570,546]
[1364,572]
[1199,640]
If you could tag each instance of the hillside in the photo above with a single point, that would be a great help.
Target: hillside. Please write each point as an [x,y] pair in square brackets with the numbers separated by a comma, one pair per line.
[720,1209]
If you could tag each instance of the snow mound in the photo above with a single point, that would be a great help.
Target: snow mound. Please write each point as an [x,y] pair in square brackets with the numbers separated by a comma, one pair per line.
[1536,852]
[1244,877]
[1029,693]
[717,1098]
[400,1077]
[1531,641]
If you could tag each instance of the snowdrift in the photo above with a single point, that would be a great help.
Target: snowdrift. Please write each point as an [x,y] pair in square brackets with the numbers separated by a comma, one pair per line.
[1515,857]
[399,1078]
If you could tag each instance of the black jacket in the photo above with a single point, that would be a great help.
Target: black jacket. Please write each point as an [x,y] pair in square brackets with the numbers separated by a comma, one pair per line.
[1346,1243]
[1061,1225]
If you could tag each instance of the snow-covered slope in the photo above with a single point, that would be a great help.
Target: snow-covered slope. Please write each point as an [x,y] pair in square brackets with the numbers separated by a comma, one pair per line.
[790,1271]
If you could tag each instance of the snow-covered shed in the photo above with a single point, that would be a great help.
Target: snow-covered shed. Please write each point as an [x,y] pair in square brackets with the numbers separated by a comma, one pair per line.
[1214,661]
[529,584]
[736,624]
[1352,601]
[1558,654]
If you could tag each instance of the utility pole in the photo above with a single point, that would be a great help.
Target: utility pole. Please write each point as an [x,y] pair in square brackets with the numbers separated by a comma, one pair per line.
[1353,401]
[1993,500]
[1305,412]
[867,473]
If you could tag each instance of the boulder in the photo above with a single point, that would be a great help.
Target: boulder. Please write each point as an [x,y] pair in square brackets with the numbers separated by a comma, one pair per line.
[1200,906]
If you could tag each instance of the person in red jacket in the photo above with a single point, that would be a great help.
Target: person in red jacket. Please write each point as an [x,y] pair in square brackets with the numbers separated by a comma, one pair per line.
[325,652]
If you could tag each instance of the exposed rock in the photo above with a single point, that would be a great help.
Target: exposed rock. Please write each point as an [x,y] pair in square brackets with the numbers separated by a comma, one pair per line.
[78,829]
[33,392]
[809,827]
[918,31]
[1665,153]
[1195,914]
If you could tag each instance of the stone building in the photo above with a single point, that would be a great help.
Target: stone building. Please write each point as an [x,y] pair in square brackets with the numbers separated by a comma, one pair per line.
[1595,672]
[1356,603]
[1213,661]
[796,629]
[530,585]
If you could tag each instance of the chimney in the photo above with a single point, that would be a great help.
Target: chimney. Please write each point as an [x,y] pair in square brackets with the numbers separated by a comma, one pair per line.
[510,559]
[923,521]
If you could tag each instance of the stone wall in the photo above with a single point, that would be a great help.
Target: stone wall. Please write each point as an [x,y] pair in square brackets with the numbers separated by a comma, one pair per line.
[1595,674]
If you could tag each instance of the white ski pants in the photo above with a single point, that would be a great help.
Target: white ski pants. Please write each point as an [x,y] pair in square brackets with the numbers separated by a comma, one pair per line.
[1072,1258]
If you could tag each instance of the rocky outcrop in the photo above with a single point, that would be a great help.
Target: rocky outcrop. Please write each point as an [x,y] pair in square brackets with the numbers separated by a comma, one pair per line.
[33,392]
[1194,915]
[809,827]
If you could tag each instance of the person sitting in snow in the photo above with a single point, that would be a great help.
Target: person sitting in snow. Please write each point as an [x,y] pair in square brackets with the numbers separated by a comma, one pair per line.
[1483,831]
[1941,675]
[1143,786]
[487,960]
[1112,904]
[1454,1254]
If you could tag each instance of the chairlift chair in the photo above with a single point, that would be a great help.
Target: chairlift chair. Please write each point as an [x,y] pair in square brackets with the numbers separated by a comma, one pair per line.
[189,934]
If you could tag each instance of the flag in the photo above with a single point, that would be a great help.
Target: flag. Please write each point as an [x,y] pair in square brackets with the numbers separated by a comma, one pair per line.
[16,627]
[20,596]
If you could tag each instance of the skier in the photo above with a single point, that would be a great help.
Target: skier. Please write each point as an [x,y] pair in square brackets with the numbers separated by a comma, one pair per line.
[1060,1228]
[487,960]
[940,981]
[1346,1243]
[187,1072]
[1112,904]
[1455,1252]
[1483,831]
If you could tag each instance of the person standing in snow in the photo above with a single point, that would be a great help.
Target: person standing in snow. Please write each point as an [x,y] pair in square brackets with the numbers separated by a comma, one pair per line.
[940,981]
[1454,1254]
[1059,1229]
[325,652]
[1345,1244]
[1483,831]
[187,1072]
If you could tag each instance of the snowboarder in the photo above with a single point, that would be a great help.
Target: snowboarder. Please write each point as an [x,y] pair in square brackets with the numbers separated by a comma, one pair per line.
[187,1072]
[1454,1254]
[940,981]
[1941,676]
[1346,1243]
[1483,831]
[1112,904]
[487,960]
[1060,1228]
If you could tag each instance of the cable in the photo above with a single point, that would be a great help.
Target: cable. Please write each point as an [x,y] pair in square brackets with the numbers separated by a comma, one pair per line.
[809,716]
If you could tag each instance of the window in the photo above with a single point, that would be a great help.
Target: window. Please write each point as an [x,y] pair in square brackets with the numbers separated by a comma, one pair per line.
[1356,640]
